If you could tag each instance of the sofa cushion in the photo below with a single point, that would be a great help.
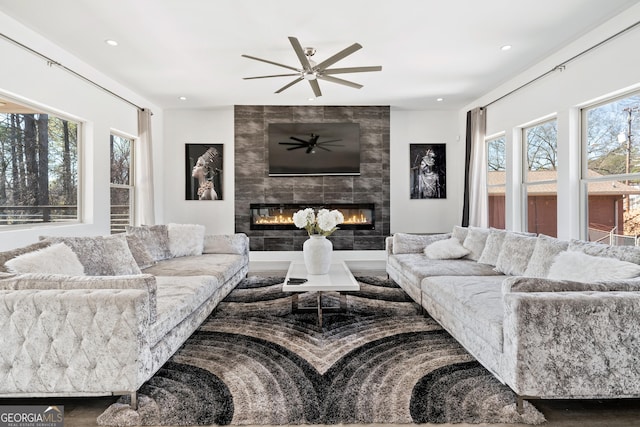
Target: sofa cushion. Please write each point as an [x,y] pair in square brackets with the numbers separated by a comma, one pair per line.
[102,255]
[55,259]
[475,301]
[475,242]
[623,253]
[185,239]
[544,253]
[10,254]
[155,238]
[446,249]
[539,284]
[492,247]
[404,243]
[416,267]
[515,253]
[580,267]
[222,266]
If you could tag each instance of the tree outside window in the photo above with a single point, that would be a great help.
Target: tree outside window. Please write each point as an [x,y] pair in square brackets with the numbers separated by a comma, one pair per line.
[496,181]
[121,183]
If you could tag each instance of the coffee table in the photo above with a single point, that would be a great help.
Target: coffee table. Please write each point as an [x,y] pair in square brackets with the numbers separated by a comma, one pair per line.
[339,279]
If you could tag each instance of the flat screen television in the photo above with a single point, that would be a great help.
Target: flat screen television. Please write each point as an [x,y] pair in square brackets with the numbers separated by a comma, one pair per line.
[314,149]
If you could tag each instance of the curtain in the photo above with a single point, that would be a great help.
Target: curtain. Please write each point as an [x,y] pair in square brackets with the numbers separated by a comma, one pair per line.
[475,205]
[144,171]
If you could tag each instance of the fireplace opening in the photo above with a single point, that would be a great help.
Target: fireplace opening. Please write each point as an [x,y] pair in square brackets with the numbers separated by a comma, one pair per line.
[279,216]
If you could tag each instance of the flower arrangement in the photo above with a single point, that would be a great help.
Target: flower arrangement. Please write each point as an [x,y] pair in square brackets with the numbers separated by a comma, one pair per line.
[323,223]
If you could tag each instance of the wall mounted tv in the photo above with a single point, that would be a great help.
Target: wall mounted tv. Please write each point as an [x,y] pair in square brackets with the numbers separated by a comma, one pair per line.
[314,149]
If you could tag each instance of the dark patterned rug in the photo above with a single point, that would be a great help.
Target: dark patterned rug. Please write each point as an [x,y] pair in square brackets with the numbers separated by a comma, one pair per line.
[253,361]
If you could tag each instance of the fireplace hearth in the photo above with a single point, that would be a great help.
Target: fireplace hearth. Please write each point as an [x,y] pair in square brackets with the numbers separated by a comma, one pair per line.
[279,216]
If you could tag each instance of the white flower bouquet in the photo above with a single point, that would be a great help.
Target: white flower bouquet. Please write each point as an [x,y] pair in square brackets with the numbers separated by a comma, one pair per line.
[323,223]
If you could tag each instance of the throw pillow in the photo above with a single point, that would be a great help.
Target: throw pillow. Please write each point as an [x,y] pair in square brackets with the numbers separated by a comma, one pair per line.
[544,253]
[155,238]
[185,239]
[102,255]
[446,249]
[580,267]
[459,233]
[515,254]
[139,251]
[55,259]
[623,253]
[10,254]
[492,247]
[404,243]
[475,241]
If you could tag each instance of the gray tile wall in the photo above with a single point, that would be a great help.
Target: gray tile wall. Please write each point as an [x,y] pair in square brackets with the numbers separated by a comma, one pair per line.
[254,185]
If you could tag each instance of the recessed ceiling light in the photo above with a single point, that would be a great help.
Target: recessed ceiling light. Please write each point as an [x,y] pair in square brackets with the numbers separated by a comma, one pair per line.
[440,99]
[311,99]
[183,98]
[111,42]
[506,47]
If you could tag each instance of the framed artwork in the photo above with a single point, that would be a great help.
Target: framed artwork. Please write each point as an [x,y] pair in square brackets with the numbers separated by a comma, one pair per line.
[203,171]
[428,166]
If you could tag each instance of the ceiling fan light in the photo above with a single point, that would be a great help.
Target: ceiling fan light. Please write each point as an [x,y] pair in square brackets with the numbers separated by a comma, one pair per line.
[310,76]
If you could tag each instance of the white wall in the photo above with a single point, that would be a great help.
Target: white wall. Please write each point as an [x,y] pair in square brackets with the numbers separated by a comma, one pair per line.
[611,69]
[27,77]
[425,127]
[198,127]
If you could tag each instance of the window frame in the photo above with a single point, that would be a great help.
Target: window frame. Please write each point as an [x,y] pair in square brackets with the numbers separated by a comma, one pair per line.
[132,177]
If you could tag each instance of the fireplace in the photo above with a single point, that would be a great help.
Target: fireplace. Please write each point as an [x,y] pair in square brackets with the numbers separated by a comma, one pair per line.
[279,216]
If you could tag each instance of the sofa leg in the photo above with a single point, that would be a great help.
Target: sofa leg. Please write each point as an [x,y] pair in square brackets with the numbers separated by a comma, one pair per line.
[134,400]
[519,404]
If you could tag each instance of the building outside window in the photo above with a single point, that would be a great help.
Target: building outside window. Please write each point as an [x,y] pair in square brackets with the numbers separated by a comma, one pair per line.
[122,189]
[496,181]
[38,166]
[611,170]
[540,178]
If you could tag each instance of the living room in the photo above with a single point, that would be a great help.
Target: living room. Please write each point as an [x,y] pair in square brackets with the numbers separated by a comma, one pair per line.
[596,65]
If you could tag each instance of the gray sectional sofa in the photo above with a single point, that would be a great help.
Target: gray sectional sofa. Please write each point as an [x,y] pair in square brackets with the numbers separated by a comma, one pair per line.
[549,318]
[107,328]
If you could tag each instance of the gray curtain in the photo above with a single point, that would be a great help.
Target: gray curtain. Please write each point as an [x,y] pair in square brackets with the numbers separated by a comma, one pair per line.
[144,171]
[475,207]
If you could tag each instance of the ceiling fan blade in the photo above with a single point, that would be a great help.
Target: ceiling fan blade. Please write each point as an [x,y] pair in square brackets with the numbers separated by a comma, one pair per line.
[352,70]
[272,63]
[273,75]
[297,47]
[331,140]
[309,150]
[340,81]
[315,87]
[288,85]
[338,56]
[295,148]
[298,139]
[290,143]
[322,148]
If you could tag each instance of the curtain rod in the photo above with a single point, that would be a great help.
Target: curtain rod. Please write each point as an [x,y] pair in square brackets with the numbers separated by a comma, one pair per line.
[51,62]
[563,65]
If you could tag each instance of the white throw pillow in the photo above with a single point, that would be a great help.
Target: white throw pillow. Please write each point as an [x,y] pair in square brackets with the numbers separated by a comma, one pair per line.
[185,239]
[580,267]
[446,249]
[55,259]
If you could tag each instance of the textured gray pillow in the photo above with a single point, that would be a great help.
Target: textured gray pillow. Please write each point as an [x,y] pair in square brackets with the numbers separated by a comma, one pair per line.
[102,255]
[515,254]
[623,253]
[404,243]
[226,244]
[459,233]
[543,255]
[139,251]
[492,247]
[155,238]
[475,242]
[185,239]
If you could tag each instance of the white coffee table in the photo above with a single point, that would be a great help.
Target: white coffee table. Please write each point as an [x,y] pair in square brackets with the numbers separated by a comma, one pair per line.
[339,279]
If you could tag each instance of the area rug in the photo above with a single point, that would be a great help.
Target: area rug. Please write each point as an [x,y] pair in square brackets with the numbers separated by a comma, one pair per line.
[255,362]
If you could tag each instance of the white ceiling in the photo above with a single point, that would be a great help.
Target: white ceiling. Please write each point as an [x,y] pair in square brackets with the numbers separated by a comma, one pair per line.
[427,48]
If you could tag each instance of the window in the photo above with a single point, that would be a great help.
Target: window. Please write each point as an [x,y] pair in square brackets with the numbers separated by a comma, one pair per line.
[38,166]
[122,194]
[540,177]
[496,181]
[611,171]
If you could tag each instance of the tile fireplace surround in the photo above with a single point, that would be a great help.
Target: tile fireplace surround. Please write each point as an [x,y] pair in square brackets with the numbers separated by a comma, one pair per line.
[253,185]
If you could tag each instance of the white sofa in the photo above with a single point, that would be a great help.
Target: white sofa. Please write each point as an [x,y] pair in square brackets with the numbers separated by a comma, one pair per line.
[549,318]
[108,332]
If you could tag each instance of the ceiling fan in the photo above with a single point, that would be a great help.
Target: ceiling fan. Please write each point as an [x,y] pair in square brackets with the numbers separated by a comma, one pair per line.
[311,144]
[311,71]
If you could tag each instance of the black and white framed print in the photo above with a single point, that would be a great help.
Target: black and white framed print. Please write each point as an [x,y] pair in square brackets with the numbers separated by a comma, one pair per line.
[428,177]
[203,180]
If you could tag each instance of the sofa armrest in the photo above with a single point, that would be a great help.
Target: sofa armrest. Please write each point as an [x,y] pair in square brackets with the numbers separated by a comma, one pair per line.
[535,284]
[583,344]
[237,243]
[404,243]
[78,340]
[388,246]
